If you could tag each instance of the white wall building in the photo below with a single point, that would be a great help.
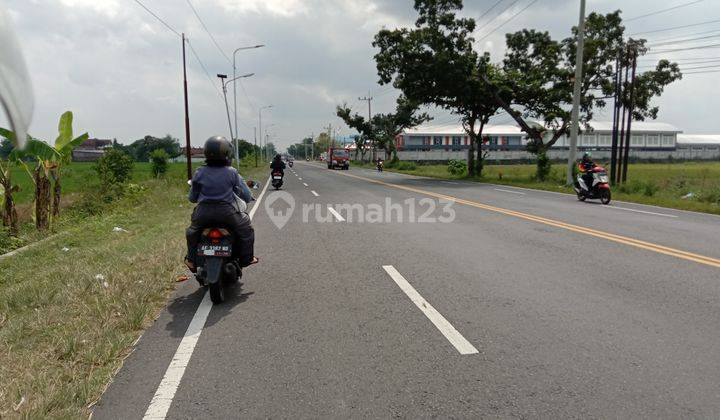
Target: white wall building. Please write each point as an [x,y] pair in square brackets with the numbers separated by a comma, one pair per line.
[648,140]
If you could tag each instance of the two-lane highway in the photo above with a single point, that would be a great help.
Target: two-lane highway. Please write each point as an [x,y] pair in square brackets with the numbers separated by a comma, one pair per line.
[526,304]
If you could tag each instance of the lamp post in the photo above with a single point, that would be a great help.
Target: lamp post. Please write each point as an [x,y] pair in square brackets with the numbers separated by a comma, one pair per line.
[260,126]
[235,86]
[267,136]
[224,83]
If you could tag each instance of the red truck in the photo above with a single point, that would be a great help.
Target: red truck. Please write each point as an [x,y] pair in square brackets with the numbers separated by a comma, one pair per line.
[338,158]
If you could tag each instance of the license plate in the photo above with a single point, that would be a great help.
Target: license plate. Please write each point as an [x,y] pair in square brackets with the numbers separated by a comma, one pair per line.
[215,250]
[277,177]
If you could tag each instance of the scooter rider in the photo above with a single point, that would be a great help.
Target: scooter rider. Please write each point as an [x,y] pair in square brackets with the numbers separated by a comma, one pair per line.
[216,188]
[277,164]
[586,167]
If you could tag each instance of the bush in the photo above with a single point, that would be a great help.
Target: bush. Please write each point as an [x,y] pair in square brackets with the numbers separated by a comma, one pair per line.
[406,166]
[710,196]
[159,159]
[543,167]
[457,167]
[114,168]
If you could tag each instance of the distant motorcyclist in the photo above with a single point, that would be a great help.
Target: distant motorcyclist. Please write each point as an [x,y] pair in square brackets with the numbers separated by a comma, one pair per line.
[586,167]
[277,164]
[216,189]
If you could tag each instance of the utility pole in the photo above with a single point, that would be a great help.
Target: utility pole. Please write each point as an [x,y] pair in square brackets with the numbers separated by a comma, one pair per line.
[616,117]
[312,146]
[574,128]
[369,100]
[255,150]
[188,153]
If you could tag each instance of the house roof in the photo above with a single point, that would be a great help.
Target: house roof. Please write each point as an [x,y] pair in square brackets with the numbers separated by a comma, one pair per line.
[95,144]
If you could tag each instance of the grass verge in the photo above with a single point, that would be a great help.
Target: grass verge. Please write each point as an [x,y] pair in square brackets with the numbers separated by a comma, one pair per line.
[72,307]
[693,186]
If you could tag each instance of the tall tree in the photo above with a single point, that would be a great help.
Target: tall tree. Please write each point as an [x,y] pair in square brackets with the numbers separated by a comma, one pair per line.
[357,122]
[388,126]
[435,64]
[539,80]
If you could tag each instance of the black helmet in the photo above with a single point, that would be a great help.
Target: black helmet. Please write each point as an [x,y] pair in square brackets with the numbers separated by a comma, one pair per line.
[217,148]
[587,156]
[278,157]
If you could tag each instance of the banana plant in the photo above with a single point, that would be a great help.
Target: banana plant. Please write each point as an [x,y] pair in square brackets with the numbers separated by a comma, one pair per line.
[64,146]
[50,160]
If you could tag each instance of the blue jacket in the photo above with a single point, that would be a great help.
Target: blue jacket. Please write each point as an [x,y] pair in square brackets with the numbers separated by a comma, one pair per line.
[218,184]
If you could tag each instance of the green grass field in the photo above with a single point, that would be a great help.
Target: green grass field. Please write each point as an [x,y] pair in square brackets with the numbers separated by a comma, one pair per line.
[661,184]
[72,306]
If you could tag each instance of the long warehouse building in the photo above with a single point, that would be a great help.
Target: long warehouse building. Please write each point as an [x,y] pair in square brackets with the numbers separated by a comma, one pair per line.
[648,140]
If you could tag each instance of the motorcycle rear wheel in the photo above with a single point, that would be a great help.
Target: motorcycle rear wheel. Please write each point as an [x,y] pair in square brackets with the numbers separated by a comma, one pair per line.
[581,197]
[217,294]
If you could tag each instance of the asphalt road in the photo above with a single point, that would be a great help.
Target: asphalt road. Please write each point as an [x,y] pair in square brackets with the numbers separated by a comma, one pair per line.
[526,304]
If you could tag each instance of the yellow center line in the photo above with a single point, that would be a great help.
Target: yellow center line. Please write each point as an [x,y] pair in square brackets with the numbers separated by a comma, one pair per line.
[713,262]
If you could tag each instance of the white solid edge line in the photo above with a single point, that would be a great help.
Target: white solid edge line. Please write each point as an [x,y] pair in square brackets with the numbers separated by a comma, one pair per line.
[165,393]
[453,336]
[336,214]
[509,191]
[640,211]
[315,194]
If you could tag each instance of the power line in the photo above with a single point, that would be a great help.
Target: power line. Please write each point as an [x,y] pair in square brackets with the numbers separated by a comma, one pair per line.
[657,12]
[498,15]
[507,21]
[702,72]
[490,9]
[682,41]
[208,31]
[702,47]
[677,27]
[158,18]
[210,79]
[690,60]
[690,34]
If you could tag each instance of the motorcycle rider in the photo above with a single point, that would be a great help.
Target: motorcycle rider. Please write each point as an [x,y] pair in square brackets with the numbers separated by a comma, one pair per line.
[586,167]
[278,165]
[216,188]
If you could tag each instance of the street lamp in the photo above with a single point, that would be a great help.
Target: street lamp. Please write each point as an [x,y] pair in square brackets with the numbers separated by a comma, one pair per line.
[260,127]
[227,110]
[267,136]
[235,75]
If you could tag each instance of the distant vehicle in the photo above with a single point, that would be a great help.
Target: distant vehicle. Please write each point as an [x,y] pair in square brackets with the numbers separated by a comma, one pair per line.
[338,158]
[380,165]
[600,188]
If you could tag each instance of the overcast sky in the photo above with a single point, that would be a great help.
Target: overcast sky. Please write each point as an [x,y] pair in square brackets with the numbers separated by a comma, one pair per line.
[119,70]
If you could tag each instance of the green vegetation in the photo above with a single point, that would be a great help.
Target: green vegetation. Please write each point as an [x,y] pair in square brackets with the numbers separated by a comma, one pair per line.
[159,160]
[659,184]
[72,306]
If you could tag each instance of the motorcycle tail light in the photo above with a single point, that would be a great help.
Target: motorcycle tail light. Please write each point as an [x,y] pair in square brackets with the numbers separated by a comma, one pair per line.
[215,234]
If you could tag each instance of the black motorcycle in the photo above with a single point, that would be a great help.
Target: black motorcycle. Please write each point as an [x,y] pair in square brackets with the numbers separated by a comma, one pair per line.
[380,165]
[277,179]
[216,267]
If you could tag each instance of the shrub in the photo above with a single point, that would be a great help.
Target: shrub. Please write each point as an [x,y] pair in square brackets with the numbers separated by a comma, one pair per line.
[710,196]
[114,168]
[406,166]
[649,189]
[159,160]
[543,167]
[457,167]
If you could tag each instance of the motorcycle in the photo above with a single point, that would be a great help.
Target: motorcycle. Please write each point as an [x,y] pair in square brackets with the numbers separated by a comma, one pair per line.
[380,165]
[290,163]
[277,179]
[216,267]
[600,188]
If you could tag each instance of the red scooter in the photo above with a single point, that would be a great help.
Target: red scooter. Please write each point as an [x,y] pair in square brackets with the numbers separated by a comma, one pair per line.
[599,189]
